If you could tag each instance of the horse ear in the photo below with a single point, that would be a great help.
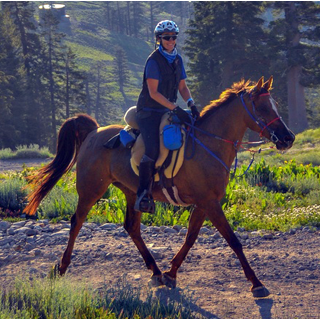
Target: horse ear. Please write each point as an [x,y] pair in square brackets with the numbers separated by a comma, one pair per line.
[267,85]
[258,86]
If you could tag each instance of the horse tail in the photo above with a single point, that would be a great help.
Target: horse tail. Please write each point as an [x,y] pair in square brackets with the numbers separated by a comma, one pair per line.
[71,135]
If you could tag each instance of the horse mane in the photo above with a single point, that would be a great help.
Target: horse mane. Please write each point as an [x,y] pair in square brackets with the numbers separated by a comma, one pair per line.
[227,96]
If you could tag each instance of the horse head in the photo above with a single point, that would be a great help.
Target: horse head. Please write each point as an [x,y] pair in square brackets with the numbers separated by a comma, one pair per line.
[262,109]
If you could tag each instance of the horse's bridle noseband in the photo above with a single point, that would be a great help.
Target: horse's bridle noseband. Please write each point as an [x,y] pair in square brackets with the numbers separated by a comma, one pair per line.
[258,121]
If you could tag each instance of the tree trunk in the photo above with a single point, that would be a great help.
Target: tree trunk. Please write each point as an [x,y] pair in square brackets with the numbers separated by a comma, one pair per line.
[88,101]
[296,101]
[52,102]
[98,96]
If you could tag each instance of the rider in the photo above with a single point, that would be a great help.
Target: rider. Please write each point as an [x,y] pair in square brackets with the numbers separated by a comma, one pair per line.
[164,75]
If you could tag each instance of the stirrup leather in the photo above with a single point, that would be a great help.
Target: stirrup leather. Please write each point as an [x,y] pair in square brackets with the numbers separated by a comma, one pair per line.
[145,203]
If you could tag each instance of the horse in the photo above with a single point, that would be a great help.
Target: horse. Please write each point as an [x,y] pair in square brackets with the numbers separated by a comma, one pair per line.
[201,181]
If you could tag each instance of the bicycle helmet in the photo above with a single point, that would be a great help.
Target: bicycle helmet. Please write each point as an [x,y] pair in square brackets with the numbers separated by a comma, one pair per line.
[166,26]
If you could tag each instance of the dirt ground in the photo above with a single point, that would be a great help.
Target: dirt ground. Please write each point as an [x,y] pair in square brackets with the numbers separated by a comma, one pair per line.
[288,264]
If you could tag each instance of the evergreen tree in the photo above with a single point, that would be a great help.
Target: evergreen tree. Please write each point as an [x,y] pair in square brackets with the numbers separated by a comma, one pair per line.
[294,50]
[138,23]
[53,69]
[225,42]
[33,127]
[74,85]
[12,82]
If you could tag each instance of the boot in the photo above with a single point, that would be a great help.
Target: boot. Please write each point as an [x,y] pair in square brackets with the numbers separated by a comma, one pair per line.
[144,202]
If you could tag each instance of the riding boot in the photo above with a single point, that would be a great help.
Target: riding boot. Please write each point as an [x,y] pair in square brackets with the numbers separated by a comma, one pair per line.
[144,202]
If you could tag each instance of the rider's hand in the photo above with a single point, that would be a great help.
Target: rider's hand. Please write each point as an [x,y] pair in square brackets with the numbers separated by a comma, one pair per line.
[182,115]
[195,112]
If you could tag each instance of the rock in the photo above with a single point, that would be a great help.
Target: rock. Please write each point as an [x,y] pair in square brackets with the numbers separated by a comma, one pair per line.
[63,232]
[18,224]
[268,236]
[170,230]
[143,227]
[90,225]
[44,221]
[11,231]
[255,233]
[29,247]
[36,252]
[240,229]
[4,225]
[177,227]
[162,228]
[108,256]
[108,226]
[154,229]
[137,277]
[237,234]
[4,241]
[292,231]
[244,236]
[183,232]
[217,235]
[204,230]
[157,254]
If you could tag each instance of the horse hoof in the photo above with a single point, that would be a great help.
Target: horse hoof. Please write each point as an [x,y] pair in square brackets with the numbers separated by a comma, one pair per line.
[54,272]
[155,281]
[260,292]
[169,281]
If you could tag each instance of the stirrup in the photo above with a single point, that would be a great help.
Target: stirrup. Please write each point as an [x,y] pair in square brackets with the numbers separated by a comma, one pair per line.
[145,203]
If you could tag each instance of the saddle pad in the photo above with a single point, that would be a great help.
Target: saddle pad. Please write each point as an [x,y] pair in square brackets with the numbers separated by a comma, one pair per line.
[137,151]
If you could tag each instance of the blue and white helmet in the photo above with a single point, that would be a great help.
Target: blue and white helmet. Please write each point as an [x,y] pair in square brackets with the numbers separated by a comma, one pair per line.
[166,26]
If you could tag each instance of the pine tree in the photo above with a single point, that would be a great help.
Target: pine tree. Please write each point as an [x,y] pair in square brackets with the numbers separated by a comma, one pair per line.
[294,38]
[12,82]
[53,62]
[225,42]
[74,85]
[33,126]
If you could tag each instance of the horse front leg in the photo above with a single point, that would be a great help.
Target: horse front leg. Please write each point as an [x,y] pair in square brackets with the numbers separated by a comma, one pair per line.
[132,225]
[219,220]
[195,223]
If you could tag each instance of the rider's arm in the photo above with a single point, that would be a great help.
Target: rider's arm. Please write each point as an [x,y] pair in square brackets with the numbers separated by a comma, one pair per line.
[157,96]
[184,90]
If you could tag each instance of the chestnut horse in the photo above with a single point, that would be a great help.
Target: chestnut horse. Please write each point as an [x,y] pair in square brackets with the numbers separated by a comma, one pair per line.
[201,181]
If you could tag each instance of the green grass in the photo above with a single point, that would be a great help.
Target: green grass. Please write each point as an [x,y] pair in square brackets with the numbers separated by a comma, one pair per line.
[66,299]
[266,197]
[25,152]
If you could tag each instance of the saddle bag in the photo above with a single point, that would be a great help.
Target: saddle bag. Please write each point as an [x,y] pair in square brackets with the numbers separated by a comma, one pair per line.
[172,136]
[128,136]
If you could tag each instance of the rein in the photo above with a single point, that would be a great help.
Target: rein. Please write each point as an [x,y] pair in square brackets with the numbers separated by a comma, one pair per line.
[260,123]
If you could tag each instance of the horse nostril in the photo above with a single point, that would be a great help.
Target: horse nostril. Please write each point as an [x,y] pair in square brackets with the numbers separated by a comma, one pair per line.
[289,138]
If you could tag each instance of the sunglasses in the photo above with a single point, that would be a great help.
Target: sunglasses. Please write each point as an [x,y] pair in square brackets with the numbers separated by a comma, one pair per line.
[167,38]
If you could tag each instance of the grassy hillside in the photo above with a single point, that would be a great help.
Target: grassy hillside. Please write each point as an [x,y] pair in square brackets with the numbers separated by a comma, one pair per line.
[89,38]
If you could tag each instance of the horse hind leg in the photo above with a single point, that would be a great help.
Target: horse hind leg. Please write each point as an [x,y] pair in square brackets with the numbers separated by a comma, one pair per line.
[195,223]
[219,220]
[77,221]
[132,225]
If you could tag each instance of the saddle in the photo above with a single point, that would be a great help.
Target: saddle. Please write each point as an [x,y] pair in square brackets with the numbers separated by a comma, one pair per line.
[168,161]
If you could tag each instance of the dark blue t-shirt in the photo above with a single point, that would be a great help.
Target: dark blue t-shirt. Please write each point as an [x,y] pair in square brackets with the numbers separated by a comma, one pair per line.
[153,71]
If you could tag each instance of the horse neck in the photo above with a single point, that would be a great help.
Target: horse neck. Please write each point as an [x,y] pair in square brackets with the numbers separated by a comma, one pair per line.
[227,122]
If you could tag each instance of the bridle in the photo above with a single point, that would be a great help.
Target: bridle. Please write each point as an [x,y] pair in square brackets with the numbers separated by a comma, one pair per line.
[254,117]
[257,120]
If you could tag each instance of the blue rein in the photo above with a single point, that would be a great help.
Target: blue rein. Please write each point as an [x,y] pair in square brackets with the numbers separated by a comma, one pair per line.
[235,144]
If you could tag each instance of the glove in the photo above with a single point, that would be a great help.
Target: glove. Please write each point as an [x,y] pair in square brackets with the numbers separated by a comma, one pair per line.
[182,115]
[195,112]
